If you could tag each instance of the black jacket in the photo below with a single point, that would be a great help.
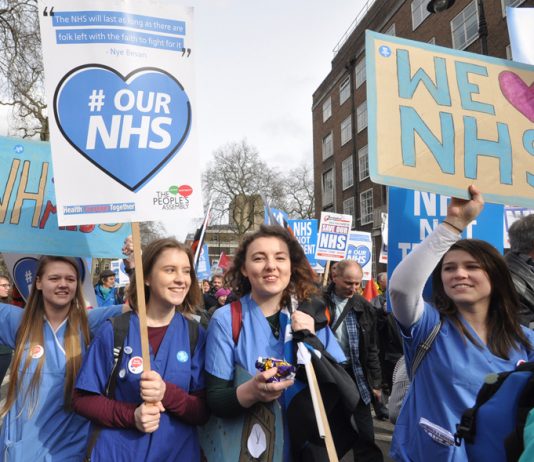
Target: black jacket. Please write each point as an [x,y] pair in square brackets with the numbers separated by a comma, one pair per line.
[368,347]
[523,276]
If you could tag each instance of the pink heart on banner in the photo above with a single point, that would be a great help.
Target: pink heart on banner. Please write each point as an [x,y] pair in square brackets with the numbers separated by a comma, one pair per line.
[518,93]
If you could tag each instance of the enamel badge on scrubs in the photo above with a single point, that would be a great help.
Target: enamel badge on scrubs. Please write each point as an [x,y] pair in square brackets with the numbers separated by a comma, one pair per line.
[135,365]
[182,356]
[37,351]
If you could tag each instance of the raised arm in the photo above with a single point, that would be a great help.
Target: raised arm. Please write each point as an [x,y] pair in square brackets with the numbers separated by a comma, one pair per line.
[409,278]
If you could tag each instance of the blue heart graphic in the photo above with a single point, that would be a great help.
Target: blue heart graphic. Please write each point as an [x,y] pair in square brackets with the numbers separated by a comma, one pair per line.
[128,126]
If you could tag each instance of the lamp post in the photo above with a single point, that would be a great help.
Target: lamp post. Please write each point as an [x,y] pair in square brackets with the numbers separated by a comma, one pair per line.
[437,6]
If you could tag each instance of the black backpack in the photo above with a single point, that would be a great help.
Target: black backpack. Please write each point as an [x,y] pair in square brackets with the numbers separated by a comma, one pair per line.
[493,428]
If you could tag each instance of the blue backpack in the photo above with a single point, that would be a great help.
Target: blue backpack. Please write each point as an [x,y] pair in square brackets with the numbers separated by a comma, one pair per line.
[493,427]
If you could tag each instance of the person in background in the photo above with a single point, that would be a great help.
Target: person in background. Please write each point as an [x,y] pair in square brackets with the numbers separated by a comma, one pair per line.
[105,290]
[475,302]
[209,297]
[5,352]
[205,286]
[353,321]
[520,261]
[222,294]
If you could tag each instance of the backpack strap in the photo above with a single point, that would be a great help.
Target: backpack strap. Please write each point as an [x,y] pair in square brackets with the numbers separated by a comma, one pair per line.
[193,335]
[424,347]
[236,312]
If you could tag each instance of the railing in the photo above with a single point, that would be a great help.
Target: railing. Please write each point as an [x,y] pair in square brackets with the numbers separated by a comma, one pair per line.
[353,26]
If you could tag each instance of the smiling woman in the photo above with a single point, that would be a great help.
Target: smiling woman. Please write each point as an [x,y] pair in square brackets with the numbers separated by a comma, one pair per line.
[170,397]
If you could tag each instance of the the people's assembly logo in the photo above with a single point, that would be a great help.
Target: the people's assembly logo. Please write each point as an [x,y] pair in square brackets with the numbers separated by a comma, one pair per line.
[176,197]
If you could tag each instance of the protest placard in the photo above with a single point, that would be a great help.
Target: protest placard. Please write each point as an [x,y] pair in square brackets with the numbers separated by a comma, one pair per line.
[119,84]
[332,237]
[519,21]
[442,119]
[203,268]
[28,220]
[305,231]
[360,249]
[121,277]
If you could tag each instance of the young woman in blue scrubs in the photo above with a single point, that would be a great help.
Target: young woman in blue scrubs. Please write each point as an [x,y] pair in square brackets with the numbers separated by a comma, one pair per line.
[49,337]
[155,413]
[269,269]
[475,298]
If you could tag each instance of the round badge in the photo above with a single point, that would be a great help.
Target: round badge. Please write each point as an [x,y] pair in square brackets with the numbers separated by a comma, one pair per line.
[521,361]
[135,365]
[37,351]
[122,373]
[182,356]
[128,350]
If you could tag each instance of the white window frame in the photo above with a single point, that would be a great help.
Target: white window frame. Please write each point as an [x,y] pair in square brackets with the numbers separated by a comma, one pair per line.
[366,207]
[464,20]
[344,91]
[432,41]
[391,30]
[327,109]
[361,116]
[363,163]
[347,173]
[328,146]
[509,52]
[360,75]
[512,3]
[419,12]
[349,209]
[328,197]
[346,130]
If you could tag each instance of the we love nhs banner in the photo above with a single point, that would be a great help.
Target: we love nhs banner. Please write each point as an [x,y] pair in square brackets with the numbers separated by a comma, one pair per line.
[442,119]
[28,219]
[360,249]
[412,215]
[119,84]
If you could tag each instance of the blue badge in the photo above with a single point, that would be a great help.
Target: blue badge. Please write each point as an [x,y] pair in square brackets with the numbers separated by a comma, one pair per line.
[140,120]
[182,356]
[385,51]
[128,350]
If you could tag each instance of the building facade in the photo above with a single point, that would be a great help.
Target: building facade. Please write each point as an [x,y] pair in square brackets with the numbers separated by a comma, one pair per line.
[339,110]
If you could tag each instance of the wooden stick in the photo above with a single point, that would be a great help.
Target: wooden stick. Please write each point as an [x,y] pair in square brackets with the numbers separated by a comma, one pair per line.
[323,426]
[326,271]
[140,289]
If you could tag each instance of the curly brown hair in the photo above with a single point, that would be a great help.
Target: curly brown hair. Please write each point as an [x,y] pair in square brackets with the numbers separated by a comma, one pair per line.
[302,283]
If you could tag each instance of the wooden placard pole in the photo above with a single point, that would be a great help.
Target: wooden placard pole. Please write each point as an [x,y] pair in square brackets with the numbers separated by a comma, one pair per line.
[325,275]
[140,289]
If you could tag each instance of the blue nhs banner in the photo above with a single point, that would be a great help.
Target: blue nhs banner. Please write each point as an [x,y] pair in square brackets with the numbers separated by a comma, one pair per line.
[305,232]
[203,269]
[414,214]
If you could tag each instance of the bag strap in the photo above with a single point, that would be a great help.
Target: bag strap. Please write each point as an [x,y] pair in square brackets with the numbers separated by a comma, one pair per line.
[236,312]
[424,347]
[342,316]
[193,335]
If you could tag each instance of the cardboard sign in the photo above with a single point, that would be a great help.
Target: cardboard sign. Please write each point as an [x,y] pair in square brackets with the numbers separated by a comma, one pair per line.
[119,83]
[521,33]
[442,119]
[28,220]
[305,232]
[332,239]
[360,249]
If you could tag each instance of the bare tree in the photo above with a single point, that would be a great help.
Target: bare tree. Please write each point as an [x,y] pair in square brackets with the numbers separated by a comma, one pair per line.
[298,192]
[21,67]
[235,181]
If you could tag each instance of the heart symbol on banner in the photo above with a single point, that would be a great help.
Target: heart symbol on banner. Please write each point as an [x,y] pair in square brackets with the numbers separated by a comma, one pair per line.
[518,93]
[129,126]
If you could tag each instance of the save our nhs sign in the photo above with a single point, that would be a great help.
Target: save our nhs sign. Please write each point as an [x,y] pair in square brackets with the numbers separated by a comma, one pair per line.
[414,214]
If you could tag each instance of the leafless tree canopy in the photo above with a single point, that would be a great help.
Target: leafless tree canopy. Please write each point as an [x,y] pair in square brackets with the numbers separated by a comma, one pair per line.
[21,67]
[298,196]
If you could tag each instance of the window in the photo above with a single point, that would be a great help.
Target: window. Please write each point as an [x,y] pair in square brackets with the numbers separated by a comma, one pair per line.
[419,12]
[363,163]
[360,73]
[511,3]
[347,173]
[344,91]
[366,207]
[328,187]
[348,209]
[391,30]
[328,147]
[509,52]
[346,130]
[361,116]
[432,41]
[464,27]
[327,109]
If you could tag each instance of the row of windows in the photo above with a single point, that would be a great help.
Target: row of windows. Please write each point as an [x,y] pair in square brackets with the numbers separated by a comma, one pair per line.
[347,171]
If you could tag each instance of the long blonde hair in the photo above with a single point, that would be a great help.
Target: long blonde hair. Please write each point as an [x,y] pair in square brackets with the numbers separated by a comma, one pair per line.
[30,334]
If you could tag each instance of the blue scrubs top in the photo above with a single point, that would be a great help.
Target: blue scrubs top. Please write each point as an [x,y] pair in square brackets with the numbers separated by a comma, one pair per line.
[255,339]
[49,433]
[445,385]
[174,440]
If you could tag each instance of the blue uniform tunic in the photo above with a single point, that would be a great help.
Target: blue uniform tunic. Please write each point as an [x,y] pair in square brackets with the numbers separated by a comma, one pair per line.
[445,385]
[49,433]
[174,440]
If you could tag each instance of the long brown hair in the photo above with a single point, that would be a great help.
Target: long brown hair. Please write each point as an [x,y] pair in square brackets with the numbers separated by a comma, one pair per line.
[302,282]
[150,255]
[30,334]
[504,330]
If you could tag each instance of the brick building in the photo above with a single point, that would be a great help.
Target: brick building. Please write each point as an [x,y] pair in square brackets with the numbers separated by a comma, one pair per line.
[341,168]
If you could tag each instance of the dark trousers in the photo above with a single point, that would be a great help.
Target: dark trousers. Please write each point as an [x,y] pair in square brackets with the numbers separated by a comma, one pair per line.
[5,361]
